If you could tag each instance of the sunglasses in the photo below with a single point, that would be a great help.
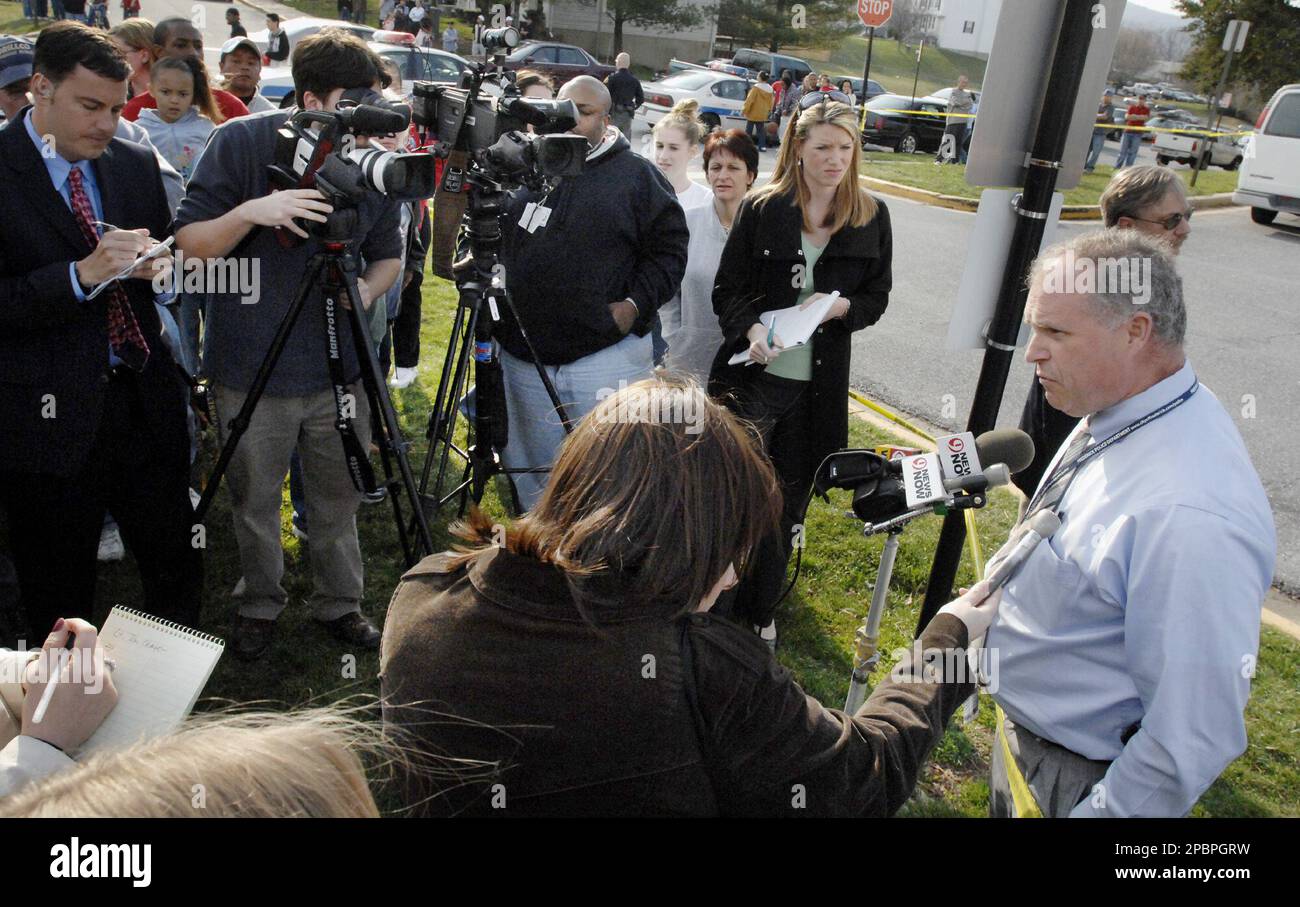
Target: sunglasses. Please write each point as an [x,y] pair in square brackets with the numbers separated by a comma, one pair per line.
[1171,222]
[818,97]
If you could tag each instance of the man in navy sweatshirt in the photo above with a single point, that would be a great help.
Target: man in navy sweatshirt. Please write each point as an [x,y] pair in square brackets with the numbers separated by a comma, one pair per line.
[588,266]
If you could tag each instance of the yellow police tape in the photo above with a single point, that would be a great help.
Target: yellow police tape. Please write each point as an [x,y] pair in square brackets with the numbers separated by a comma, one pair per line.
[972,536]
[971,116]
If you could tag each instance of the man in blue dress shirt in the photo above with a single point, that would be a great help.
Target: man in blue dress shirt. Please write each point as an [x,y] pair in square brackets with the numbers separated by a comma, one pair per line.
[1125,645]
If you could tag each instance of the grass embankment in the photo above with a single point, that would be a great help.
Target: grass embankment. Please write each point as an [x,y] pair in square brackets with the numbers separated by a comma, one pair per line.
[918,170]
[894,65]
[817,623]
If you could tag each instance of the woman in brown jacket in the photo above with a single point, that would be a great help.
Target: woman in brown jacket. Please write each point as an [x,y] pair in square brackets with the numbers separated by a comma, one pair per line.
[575,648]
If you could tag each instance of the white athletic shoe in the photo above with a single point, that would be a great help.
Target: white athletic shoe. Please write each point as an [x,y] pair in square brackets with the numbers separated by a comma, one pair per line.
[110,546]
[402,377]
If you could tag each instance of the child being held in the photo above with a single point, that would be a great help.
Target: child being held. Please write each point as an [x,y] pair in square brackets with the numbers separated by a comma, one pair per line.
[186,114]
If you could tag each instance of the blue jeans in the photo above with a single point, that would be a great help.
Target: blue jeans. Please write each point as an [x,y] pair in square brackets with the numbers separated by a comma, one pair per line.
[757,132]
[536,431]
[1094,149]
[1128,149]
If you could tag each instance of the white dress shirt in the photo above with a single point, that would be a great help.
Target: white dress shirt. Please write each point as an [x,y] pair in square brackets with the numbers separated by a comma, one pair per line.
[1144,607]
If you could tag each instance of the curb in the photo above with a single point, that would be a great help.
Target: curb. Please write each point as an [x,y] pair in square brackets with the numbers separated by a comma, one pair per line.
[1069,212]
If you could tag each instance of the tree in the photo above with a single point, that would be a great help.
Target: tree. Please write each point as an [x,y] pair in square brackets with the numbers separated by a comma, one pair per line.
[1135,51]
[1268,59]
[907,21]
[663,15]
[782,23]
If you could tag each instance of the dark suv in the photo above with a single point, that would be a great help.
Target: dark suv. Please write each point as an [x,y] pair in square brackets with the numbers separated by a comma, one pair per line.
[559,61]
[902,123]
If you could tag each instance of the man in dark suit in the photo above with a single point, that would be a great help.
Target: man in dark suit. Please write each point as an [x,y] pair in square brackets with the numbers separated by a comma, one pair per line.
[92,409]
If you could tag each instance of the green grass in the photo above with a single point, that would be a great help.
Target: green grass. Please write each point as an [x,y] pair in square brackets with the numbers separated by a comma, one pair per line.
[919,170]
[12,21]
[893,65]
[817,623]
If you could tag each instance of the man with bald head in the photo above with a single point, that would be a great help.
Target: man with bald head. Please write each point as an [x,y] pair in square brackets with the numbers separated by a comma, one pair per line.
[625,94]
[178,38]
[588,264]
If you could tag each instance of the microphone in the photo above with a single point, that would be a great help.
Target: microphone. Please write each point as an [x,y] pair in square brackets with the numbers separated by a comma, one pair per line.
[1042,525]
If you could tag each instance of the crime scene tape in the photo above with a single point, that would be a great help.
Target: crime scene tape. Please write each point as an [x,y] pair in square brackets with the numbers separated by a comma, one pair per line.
[1108,128]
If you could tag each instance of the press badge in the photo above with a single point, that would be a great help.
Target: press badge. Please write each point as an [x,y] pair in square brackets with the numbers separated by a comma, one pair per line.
[534,217]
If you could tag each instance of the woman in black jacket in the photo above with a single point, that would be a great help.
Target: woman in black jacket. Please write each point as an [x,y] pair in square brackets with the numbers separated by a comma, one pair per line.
[810,232]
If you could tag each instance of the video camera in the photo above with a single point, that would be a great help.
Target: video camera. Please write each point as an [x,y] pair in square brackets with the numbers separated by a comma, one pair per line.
[318,149]
[491,128]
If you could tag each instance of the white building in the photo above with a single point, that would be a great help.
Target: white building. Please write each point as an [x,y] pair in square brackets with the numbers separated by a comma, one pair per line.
[964,26]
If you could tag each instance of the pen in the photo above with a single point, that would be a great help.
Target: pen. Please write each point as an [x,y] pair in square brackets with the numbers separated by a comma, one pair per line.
[48,693]
[771,331]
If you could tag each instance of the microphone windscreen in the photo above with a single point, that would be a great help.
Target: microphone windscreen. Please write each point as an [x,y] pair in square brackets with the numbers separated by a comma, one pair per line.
[370,120]
[1005,445]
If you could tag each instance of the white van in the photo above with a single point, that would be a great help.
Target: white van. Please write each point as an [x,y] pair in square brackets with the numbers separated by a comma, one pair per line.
[1269,179]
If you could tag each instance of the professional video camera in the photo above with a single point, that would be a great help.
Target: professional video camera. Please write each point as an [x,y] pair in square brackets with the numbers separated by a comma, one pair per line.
[318,149]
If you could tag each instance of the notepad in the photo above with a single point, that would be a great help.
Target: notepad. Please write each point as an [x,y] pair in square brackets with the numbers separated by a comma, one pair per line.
[162,668]
[795,326]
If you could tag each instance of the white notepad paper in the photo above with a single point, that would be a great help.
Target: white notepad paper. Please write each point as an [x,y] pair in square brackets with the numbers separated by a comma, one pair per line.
[795,326]
[162,668]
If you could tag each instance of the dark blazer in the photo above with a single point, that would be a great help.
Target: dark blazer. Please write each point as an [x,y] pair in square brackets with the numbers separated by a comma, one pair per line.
[757,273]
[647,716]
[54,349]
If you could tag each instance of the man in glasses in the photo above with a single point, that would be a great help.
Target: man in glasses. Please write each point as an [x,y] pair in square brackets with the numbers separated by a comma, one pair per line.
[1147,199]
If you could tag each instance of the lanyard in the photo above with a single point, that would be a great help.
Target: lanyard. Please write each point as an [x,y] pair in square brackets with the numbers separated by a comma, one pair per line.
[1091,453]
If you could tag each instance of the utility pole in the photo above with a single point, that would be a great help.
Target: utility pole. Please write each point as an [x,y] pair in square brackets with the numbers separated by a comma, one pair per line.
[1234,39]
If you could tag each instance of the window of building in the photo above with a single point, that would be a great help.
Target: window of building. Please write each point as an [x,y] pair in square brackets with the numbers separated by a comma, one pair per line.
[968,27]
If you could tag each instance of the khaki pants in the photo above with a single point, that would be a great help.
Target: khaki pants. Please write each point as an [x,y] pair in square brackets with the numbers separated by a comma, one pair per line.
[1058,779]
[256,480]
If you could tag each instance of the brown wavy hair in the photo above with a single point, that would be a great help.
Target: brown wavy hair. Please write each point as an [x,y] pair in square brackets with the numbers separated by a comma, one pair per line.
[653,495]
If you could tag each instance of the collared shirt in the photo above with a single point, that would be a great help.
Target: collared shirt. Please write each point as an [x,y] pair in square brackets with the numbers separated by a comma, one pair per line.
[1144,607]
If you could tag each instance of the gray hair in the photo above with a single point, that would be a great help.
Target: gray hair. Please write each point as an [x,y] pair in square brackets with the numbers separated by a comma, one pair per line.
[1126,253]
[1135,189]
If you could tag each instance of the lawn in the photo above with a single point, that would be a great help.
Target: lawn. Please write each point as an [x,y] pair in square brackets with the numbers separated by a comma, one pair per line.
[817,624]
[12,21]
[919,170]
[894,65]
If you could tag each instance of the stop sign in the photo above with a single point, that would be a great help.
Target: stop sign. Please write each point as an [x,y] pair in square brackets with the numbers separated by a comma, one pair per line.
[875,13]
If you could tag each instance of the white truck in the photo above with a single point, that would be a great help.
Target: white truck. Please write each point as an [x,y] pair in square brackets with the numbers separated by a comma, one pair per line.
[1184,148]
[1269,180]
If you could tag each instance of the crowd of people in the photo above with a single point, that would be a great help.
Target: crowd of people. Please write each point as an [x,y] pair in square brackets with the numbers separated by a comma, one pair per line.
[657,542]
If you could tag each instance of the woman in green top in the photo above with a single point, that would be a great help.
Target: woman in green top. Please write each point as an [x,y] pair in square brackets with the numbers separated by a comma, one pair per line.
[810,232]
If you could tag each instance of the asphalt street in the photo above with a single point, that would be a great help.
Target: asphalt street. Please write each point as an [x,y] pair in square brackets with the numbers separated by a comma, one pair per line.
[1240,282]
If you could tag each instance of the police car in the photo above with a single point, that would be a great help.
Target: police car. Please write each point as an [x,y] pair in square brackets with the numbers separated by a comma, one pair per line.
[424,64]
[721,97]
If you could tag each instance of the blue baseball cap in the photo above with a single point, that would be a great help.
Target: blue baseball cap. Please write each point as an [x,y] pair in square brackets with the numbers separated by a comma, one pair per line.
[16,55]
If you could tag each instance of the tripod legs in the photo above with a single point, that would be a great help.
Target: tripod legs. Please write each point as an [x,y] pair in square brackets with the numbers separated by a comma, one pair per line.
[867,655]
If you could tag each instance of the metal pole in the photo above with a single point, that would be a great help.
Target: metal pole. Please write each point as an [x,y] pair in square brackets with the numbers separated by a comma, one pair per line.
[1066,69]
[920,49]
[868,655]
[866,70]
[1209,124]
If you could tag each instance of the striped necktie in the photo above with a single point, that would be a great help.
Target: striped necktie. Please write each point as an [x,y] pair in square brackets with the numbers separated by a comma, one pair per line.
[124,335]
[1053,489]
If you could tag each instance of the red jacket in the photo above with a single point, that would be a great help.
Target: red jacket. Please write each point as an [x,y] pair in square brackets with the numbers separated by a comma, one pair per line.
[230,105]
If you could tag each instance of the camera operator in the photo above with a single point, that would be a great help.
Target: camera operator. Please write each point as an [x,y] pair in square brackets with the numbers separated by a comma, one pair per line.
[582,658]
[92,412]
[588,265]
[228,211]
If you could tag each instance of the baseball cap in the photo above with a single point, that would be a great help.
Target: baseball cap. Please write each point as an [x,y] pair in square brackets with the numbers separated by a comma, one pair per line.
[15,59]
[241,41]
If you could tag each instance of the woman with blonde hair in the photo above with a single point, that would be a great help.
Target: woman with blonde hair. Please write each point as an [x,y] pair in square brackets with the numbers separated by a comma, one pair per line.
[134,38]
[677,139]
[810,232]
[577,646]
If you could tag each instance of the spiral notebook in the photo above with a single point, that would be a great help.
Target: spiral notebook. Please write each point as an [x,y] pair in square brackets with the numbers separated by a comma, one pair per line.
[162,668]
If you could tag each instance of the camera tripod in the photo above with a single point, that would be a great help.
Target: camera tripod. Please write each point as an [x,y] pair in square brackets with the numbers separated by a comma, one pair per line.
[334,270]
[480,285]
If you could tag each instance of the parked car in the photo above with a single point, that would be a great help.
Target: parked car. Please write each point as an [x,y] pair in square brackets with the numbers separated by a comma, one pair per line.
[1184,148]
[422,63]
[892,120]
[943,94]
[300,27]
[1269,179]
[721,97]
[561,62]
[756,61]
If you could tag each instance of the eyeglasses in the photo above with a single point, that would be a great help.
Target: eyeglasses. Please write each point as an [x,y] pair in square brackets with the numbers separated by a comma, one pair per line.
[1169,223]
[819,96]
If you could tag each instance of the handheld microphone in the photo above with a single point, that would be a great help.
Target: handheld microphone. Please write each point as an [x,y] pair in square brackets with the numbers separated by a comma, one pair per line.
[1042,525]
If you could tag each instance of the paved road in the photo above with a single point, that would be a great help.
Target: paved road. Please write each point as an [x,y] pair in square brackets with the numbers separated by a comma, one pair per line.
[1244,324]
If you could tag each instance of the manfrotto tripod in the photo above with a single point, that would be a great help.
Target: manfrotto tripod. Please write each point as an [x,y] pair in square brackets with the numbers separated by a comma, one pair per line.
[480,284]
[334,270]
